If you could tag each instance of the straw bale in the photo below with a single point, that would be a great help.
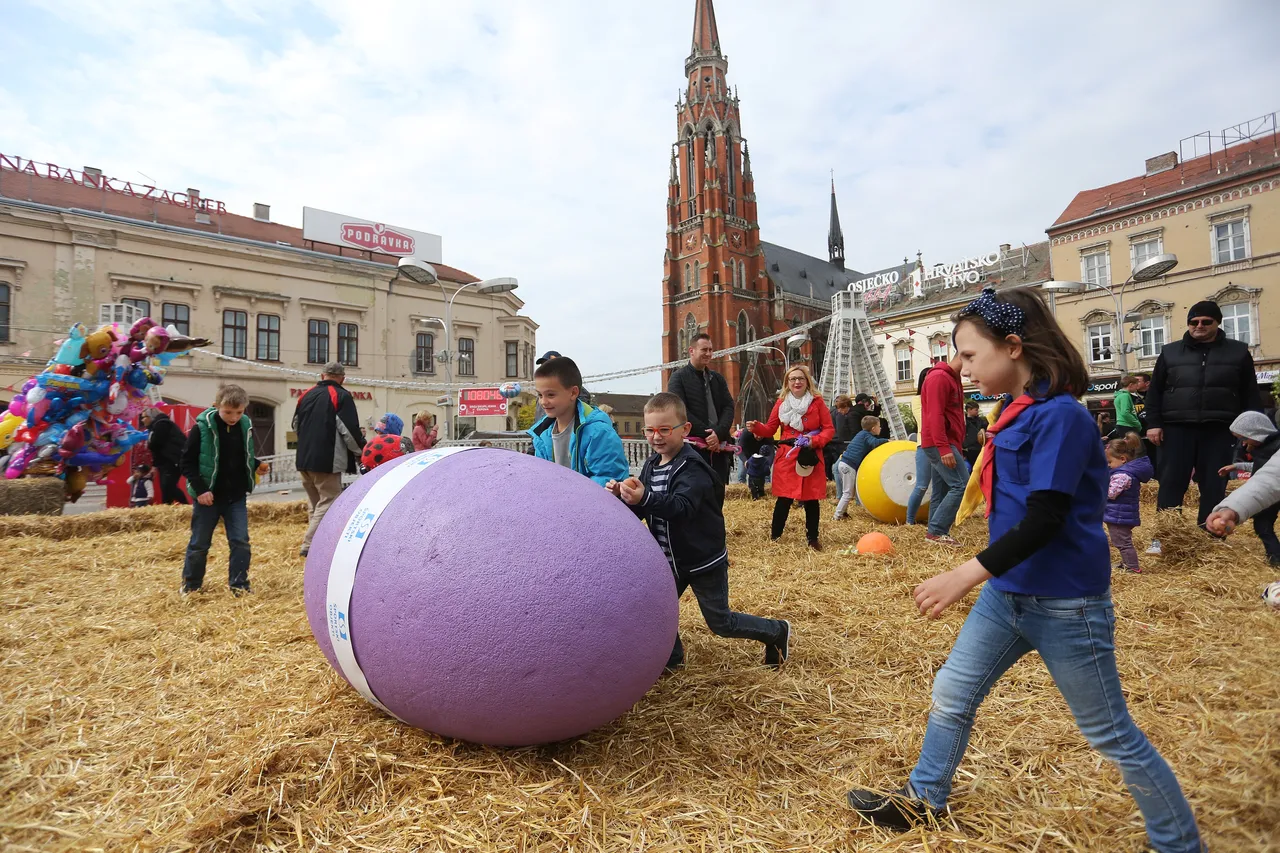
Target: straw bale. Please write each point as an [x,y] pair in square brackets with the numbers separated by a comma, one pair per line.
[31,496]
[132,719]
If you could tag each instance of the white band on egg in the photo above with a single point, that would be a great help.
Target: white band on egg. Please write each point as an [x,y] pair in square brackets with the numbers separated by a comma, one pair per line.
[346,559]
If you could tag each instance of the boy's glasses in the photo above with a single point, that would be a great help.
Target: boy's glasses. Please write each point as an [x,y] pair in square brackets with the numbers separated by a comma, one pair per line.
[650,432]
[1203,321]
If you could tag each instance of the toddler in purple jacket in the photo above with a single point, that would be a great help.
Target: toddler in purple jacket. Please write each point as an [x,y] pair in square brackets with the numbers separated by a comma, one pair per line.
[1129,470]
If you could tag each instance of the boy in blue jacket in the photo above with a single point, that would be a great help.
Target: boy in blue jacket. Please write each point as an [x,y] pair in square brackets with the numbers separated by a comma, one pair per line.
[574,434]
[676,494]
[863,443]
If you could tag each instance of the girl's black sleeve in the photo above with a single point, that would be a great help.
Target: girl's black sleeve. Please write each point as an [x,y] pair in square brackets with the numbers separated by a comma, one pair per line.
[1046,513]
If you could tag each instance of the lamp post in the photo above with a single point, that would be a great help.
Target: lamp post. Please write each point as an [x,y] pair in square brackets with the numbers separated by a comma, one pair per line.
[423,273]
[1151,268]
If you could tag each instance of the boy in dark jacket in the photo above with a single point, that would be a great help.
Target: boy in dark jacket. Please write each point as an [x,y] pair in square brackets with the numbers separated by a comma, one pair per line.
[974,427]
[863,443]
[676,495]
[221,467]
[758,466]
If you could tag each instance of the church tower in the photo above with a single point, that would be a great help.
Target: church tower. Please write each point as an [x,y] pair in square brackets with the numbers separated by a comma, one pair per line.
[714,279]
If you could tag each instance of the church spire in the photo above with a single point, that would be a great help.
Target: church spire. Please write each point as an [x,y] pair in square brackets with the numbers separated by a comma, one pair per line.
[835,237]
[706,39]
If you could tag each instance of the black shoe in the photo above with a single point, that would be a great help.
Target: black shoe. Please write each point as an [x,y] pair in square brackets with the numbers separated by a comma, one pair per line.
[187,589]
[673,667]
[897,811]
[238,591]
[815,545]
[775,653]
[302,552]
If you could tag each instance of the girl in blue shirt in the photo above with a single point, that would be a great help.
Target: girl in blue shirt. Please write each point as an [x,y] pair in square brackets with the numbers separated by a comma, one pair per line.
[1047,573]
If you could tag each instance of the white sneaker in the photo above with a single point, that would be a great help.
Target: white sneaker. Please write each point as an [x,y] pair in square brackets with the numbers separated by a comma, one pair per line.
[1154,548]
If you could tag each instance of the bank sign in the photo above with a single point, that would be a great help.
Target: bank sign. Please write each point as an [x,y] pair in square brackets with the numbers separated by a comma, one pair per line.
[481,403]
[340,229]
[133,189]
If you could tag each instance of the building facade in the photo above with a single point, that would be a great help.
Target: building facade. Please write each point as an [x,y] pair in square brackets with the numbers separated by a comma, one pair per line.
[1219,213]
[277,305]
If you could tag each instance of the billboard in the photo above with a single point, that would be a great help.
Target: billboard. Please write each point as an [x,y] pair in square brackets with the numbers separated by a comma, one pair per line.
[481,403]
[341,230]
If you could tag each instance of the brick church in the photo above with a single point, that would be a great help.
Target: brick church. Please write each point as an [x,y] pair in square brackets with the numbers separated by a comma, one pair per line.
[719,276]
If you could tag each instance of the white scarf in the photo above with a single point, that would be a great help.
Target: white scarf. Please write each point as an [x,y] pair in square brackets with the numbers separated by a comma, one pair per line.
[792,410]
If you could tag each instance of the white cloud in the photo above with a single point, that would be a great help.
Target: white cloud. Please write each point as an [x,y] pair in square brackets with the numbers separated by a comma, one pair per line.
[535,137]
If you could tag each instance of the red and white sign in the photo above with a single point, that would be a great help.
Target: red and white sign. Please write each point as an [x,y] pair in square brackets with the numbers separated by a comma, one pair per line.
[54,172]
[355,395]
[481,403]
[342,230]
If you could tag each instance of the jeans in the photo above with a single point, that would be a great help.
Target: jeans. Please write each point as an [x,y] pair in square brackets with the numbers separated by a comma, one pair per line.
[322,490]
[922,485]
[1122,540]
[948,489]
[204,519]
[742,470]
[1076,639]
[782,509]
[170,493]
[1264,524]
[711,588]
[1203,447]
[846,484]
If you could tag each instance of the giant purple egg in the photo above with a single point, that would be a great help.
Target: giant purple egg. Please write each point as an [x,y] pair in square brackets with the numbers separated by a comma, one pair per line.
[497,598]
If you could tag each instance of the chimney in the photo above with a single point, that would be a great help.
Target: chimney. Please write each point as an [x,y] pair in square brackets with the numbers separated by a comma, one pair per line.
[261,212]
[93,175]
[1004,248]
[193,194]
[1163,163]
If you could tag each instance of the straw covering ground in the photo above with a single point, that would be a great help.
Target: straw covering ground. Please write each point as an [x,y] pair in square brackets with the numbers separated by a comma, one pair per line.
[135,720]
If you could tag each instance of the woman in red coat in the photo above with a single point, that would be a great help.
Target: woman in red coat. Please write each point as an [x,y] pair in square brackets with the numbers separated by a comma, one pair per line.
[804,416]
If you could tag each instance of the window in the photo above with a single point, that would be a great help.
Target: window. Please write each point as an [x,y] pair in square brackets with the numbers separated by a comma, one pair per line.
[6,306]
[178,316]
[528,360]
[902,355]
[1095,267]
[348,344]
[688,276]
[732,200]
[697,276]
[938,351]
[424,353]
[1230,242]
[268,337]
[143,305]
[513,360]
[466,357]
[235,333]
[1151,336]
[1100,342]
[1236,322]
[690,159]
[317,341]
[1142,250]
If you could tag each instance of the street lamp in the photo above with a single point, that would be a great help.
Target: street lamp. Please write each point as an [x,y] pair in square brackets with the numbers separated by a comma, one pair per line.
[794,341]
[423,273]
[1151,268]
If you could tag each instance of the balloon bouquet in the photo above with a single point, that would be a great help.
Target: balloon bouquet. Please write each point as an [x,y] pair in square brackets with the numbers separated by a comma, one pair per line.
[72,420]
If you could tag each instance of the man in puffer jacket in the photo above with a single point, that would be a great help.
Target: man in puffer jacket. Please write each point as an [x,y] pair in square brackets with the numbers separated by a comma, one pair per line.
[1255,499]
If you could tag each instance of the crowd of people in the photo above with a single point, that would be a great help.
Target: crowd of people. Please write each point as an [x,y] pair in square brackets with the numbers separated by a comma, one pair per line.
[1049,485]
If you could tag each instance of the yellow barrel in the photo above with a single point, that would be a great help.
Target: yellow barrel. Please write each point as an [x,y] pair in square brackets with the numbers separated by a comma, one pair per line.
[885,480]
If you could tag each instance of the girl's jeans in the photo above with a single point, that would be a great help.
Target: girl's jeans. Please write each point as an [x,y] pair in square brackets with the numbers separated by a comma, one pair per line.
[847,481]
[924,473]
[1075,638]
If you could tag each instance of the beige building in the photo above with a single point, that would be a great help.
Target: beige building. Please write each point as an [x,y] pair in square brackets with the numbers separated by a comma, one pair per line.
[279,303]
[1218,213]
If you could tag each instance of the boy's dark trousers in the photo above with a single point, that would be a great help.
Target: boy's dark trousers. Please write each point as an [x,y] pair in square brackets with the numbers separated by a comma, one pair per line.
[712,590]
[204,519]
[756,485]
[1264,524]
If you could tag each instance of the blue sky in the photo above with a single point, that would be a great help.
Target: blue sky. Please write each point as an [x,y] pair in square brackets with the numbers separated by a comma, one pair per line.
[535,136]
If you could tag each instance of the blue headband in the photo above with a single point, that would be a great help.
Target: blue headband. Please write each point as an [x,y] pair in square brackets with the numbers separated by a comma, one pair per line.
[1003,318]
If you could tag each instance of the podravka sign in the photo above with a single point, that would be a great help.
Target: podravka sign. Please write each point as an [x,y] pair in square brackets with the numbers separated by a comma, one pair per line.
[339,229]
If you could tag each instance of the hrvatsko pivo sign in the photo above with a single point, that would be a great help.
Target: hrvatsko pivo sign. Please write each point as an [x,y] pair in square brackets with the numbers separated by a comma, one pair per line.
[339,229]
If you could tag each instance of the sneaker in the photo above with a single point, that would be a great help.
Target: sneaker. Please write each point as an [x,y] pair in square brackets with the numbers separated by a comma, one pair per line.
[775,653]
[897,811]
[239,591]
[187,589]
[941,539]
[1121,567]
[815,544]
[1154,547]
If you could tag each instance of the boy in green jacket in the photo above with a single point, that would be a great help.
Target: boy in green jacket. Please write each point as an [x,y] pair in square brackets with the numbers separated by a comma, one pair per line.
[221,467]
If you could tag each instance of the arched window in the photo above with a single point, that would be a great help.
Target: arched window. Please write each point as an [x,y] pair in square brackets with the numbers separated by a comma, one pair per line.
[731,173]
[690,329]
[690,172]
[697,276]
[688,276]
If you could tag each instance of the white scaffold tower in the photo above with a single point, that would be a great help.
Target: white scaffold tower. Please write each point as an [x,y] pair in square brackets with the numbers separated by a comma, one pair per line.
[852,365]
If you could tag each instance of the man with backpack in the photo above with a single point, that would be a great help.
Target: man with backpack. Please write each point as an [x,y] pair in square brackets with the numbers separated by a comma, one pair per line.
[329,443]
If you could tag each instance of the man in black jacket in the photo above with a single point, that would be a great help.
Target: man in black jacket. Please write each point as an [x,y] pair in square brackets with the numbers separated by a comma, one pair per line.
[1200,384]
[165,443]
[710,406]
[329,443]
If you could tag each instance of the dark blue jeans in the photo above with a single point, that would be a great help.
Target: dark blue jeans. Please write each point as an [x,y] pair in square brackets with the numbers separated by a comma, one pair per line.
[204,519]
[712,590]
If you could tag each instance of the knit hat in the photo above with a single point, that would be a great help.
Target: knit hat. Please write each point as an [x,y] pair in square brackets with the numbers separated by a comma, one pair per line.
[1252,425]
[390,424]
[1205,308]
